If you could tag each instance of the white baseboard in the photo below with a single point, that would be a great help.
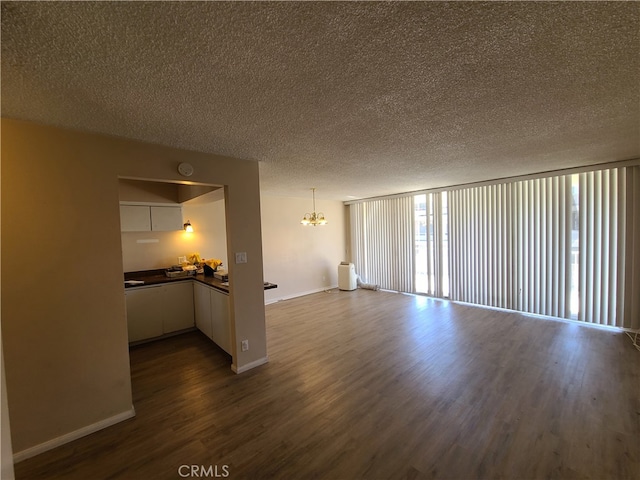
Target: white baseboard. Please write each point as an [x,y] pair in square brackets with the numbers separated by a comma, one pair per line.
[250,365]
[300,294]
[69,437]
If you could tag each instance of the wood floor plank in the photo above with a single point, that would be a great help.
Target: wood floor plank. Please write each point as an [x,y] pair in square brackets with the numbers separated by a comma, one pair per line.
[372,385]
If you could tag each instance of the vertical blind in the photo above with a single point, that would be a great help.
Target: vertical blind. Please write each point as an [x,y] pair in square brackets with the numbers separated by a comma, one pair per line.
[610,247]
[511,245]
[630,290]
[566,246]
[382,242]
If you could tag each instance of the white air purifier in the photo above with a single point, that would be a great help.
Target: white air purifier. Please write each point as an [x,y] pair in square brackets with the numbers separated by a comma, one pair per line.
[347,279]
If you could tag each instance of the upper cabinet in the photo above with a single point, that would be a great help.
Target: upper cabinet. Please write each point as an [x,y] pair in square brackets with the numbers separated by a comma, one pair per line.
[166,219]
[135,218]
[146,218]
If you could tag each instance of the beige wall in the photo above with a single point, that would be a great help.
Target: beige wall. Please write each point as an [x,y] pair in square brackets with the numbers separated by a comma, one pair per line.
[301,259]
[63,312]
[6,450]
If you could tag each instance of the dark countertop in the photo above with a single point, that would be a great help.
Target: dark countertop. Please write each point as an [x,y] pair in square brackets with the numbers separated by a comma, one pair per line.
[156,277]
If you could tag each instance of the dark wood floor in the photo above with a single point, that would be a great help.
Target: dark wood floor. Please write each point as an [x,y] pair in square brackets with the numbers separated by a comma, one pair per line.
[375,385]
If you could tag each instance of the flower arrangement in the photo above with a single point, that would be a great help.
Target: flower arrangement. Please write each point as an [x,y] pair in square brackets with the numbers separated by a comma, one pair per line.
[199,262]
[194,258]
[213,263]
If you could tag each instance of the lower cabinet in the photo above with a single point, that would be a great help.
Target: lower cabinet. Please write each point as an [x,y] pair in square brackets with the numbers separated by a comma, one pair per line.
[144,313]
[212,314]
[158,310]
[178,306]
[220,320]
[202,307]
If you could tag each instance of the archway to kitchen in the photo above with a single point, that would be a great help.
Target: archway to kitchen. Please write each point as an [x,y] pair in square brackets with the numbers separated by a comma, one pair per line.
[153,215]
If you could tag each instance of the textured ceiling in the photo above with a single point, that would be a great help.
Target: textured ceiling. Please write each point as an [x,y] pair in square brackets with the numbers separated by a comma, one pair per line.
[357,99]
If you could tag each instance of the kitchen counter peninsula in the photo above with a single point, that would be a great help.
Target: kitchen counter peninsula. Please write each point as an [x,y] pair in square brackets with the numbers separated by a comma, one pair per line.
[157,277]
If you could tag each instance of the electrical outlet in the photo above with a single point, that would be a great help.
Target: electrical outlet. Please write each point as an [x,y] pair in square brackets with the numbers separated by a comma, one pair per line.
[241,257]
[244,345]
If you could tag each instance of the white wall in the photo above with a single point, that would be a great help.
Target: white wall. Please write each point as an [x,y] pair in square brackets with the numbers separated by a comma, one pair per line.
[301,259]
[207,216]
[162,253]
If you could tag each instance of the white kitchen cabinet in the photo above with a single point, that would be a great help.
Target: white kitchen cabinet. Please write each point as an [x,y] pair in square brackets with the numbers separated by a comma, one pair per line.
[178,306]
[153,311]
[212,314]
[146,218]
[144,313]
[166,219]
[158,310]
[135,218]
[202,308]
[220,320]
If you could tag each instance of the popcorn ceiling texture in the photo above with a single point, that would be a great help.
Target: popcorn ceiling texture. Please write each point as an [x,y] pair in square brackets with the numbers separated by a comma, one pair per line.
[357,99]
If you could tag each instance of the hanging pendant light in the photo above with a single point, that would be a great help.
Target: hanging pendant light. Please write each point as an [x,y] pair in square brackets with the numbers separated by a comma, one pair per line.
[314,218]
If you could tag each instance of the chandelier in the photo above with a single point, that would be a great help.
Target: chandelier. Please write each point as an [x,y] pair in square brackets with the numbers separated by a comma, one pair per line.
[313,218]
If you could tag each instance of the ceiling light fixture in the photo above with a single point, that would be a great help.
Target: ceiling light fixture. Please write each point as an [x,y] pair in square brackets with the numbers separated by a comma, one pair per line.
[314,218]
[188,227]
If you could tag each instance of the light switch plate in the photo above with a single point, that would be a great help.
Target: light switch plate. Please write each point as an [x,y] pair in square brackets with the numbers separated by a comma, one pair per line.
[241,257]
